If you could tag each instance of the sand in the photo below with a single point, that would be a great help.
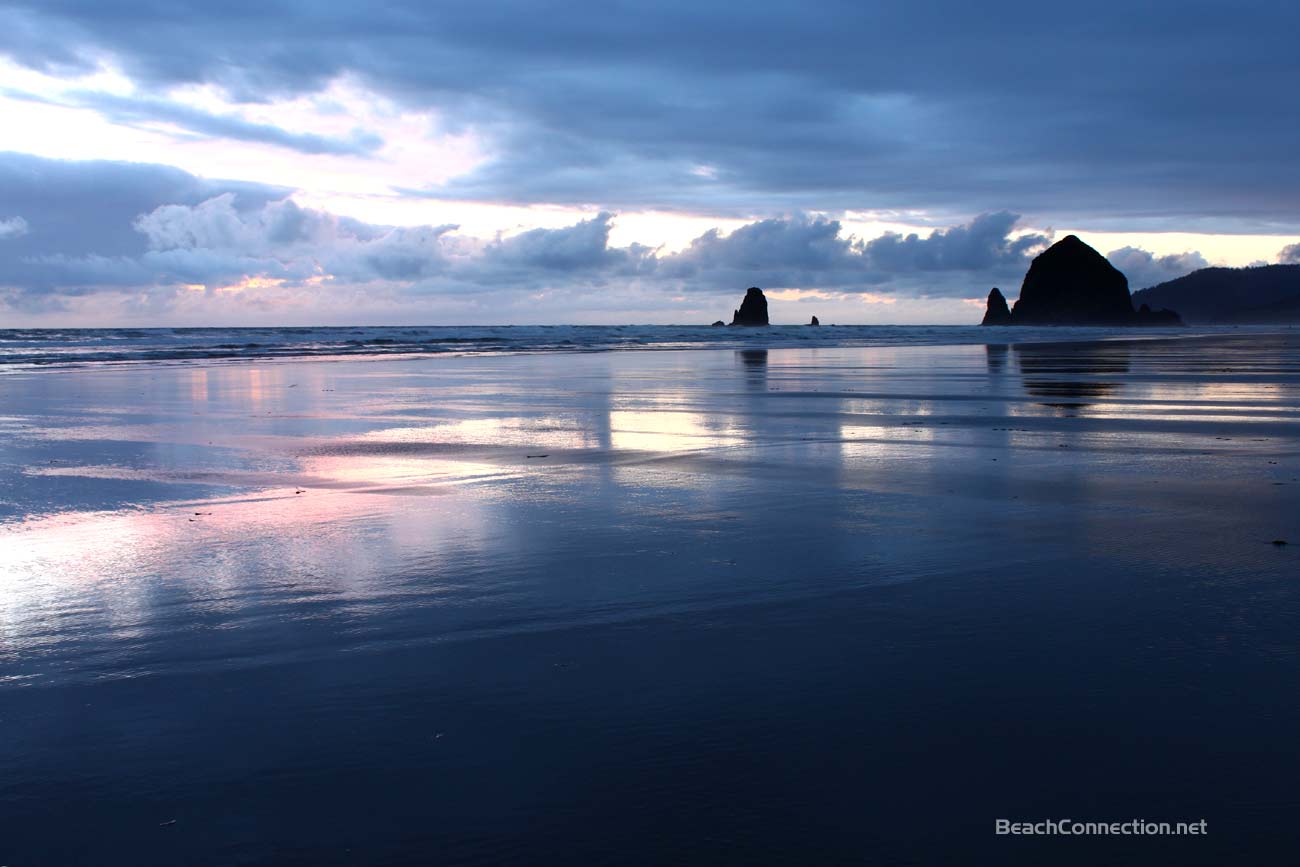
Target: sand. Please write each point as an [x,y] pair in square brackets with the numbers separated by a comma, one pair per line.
[786,606]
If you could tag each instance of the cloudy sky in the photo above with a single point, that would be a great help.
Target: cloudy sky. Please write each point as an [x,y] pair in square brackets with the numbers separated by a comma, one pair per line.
[285,161]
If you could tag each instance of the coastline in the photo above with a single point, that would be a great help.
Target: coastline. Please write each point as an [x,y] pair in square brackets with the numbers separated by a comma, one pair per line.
[50,349]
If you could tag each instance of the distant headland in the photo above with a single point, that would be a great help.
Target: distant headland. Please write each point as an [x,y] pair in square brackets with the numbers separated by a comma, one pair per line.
[1262,295]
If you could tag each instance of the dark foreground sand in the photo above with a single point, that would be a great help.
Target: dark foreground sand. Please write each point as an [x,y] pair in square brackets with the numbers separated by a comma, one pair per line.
[786,607]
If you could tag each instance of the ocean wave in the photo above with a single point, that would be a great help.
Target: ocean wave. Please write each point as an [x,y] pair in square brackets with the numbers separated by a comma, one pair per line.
[29,348]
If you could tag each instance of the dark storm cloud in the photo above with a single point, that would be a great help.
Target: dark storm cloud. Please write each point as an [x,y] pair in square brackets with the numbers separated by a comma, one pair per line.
[1165,114]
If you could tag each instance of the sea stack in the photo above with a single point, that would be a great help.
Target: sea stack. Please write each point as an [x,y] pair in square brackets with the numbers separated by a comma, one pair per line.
[753,310]
[1147,316]
[814,321]
[1070,283]
[997,312]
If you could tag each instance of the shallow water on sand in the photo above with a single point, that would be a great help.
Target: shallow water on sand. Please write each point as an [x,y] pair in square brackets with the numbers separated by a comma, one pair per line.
[715,606]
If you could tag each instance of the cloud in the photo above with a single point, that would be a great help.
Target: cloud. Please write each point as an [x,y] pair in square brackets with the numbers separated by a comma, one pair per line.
[80,210]
[985,243]
[215,242]
[1097,121]
[1290,255]
[803,252]
[579,248]
[153,237]
[12,227]
[272,248]
[217,224]
[798,244]
[1144,269]
[134,111]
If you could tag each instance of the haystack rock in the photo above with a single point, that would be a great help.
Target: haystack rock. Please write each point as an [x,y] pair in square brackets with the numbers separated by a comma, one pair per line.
[1070,283]
[753,310]
[814,321]
[997,312]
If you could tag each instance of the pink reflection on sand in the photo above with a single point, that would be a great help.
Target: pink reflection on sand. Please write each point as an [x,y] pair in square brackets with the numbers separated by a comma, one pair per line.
[344,537]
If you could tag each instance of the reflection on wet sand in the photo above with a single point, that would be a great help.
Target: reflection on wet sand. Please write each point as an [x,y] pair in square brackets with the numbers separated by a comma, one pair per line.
[233,484]
[754,362]
[668,430]
[1071,376]
[996,356]
[479,606]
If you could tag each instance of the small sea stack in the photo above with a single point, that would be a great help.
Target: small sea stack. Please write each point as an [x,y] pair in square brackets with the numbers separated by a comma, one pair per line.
[753,309]
[997,312]
[814,321]
[1147,316]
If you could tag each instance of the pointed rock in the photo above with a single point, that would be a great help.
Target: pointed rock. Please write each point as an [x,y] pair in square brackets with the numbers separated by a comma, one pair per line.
[814,321]
[753,310]
[997,312]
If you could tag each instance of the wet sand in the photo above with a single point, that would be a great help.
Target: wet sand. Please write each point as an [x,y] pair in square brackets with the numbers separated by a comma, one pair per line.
[791,606]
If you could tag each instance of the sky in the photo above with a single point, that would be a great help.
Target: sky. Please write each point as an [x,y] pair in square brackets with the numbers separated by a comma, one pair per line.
[293,162]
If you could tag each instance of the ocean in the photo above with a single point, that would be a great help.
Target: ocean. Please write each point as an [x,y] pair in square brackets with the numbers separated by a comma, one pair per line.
[21,348]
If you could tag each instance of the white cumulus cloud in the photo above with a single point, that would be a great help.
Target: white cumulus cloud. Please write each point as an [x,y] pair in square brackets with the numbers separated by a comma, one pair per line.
[13,227]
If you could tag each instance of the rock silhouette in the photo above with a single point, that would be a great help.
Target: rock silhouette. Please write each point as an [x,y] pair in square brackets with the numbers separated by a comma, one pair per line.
[1070,283]
[1072,379]
[1263,294]
[718,323]
[753,309]
[814,321]
[997,312]
[1147,316]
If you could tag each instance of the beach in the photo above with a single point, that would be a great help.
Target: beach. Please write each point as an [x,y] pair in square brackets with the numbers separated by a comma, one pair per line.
[742,605]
